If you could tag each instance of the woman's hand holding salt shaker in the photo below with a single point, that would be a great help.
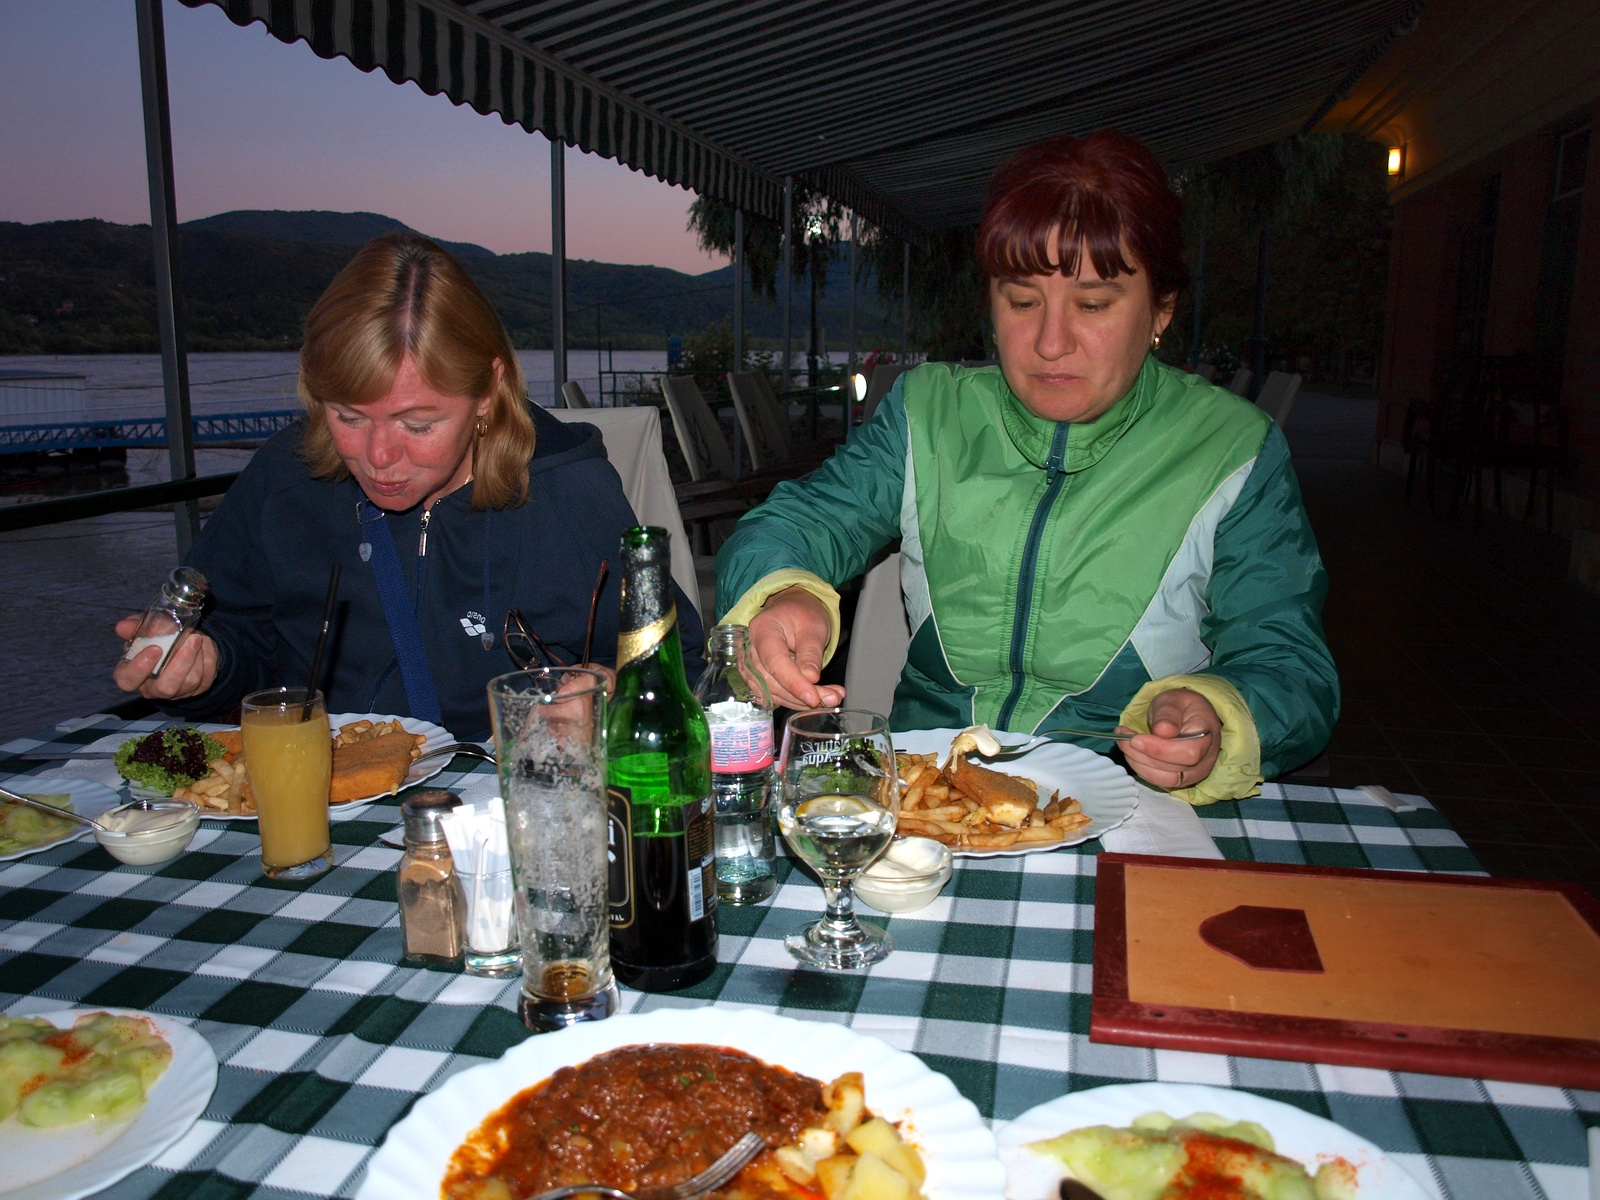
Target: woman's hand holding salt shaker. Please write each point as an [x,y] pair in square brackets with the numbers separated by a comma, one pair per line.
[189,670]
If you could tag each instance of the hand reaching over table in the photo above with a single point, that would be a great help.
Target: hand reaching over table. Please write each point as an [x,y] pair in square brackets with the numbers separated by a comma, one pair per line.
[1159,760]
[190,670]
[789,636]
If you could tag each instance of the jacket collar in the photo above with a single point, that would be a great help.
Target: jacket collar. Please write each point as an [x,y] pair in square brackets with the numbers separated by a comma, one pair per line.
[1086,442]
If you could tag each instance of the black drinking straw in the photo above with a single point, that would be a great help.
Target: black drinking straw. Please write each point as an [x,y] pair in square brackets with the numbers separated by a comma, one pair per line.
[322,641]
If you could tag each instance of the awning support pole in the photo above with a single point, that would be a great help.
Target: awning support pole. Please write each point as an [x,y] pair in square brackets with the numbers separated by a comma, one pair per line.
[784,296]
[558,267]
[738,289]
[850,370]
[905,301]
[164,244]
[1200,287]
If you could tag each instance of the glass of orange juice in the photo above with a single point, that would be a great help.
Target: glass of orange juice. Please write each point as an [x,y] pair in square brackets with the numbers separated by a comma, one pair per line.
[289,756]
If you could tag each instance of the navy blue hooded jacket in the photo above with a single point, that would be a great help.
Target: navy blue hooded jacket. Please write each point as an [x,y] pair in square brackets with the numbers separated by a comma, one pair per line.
[268,548]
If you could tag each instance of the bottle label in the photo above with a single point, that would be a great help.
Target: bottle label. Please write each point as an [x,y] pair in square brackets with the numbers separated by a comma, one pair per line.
[700,829]
[637,643]
[619,854]
[740,746]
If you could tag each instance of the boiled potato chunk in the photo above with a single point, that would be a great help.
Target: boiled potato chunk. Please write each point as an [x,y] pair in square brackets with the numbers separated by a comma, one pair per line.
[794,1162]
[878,1137]
[875,1179]
[834,1175]
[846,1099]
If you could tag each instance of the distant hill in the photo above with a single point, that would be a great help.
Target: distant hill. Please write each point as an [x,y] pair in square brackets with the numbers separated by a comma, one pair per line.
[328,228]
[249,278]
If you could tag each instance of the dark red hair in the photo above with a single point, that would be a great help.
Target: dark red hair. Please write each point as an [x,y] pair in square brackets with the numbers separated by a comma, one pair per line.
[1106,191]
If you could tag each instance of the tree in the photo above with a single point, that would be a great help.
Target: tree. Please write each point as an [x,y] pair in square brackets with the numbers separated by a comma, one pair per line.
[815,233]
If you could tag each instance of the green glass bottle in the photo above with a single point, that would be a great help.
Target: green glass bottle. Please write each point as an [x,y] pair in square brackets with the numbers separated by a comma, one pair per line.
[658,784]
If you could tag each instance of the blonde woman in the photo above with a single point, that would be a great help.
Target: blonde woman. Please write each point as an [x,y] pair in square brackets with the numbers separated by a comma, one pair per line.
[420,468]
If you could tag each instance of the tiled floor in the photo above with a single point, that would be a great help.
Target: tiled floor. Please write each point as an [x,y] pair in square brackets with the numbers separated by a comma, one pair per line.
[1468,658]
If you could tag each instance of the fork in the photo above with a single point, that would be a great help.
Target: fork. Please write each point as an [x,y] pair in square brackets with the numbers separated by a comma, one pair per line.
[1061,735]
[718,1173]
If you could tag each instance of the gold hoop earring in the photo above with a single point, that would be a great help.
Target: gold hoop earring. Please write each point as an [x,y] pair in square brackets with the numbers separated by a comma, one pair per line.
[1155,341]
[483,427]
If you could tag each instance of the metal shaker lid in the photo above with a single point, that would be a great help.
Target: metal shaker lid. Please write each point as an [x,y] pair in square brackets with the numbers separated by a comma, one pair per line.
[187,586]
[422,813]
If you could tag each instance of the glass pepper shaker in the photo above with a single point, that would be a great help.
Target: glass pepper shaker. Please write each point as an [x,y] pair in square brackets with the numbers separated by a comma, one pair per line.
[433,906]
[171,615]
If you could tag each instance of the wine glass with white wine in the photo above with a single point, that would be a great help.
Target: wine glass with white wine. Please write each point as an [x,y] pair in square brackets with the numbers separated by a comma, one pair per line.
[838,804]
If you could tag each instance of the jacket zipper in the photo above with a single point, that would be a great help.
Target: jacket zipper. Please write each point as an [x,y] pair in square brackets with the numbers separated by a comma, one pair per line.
[422,539]
[1055,477]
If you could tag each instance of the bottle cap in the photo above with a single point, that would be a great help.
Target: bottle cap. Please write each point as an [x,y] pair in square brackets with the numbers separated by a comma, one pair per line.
[188,586]
[422,813]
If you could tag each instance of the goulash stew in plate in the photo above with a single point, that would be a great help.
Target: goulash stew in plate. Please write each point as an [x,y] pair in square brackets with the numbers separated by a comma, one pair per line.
[645,1117]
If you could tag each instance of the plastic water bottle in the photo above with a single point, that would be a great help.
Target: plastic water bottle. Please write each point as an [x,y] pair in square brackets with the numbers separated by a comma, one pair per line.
[739,709]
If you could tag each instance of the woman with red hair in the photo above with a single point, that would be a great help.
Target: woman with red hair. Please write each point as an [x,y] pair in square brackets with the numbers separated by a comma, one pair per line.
[1088,538]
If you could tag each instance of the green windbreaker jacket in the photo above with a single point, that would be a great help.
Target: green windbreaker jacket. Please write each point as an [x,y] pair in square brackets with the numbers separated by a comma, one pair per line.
[1052,570]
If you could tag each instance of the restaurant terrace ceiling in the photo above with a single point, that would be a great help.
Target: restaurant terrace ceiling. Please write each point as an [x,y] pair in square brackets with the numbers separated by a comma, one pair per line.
[899,108]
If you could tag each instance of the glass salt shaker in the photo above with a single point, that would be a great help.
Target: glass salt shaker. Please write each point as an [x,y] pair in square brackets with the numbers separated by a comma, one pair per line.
[433,906]
[171,615]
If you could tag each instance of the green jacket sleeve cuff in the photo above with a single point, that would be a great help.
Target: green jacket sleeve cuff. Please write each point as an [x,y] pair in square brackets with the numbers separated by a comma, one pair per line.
[769,585]
[1237,772]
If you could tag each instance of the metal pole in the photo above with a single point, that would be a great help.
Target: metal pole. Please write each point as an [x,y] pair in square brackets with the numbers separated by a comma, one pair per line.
[1258,340]
[164,244]
[905,302]
[788,276]
[738,289]
[850,369]
[558,264]
[1200,287]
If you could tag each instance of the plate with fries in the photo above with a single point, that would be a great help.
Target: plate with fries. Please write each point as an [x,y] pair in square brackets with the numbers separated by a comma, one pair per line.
[224,794]
[1076,795]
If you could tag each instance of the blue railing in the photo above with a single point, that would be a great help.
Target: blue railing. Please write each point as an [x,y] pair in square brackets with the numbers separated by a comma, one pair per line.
[142,431]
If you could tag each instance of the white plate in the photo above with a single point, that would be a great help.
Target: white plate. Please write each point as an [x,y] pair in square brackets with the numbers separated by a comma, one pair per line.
[1309,1139]
[1107,792]
[937,1119]
[420,770]
[63,1164]
[89,799]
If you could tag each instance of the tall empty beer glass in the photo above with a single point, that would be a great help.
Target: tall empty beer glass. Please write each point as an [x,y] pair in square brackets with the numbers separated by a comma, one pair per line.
[549,735]
[288,752]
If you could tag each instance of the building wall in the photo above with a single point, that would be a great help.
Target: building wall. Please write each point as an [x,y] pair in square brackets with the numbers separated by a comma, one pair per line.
[1431,225]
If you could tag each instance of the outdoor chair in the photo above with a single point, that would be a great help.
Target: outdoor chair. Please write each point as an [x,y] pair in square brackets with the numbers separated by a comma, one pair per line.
[1277,395]
[880,636]
[715,495]
[761,419]
[572,394]
[1206,371]
[1239,385]
[879,386]
[632,438]
[1519,426]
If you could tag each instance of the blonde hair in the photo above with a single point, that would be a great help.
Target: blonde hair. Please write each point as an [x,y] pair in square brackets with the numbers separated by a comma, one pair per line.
[403,294]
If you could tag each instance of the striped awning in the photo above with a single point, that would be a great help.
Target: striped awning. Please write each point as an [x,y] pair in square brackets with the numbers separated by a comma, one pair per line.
[900,109]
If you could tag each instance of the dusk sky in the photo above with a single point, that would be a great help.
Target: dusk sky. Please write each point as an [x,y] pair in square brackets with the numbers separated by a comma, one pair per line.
[258,124]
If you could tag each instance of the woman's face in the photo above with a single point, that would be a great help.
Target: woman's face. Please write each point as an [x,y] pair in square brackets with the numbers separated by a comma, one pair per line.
[410,446]
[1071,347]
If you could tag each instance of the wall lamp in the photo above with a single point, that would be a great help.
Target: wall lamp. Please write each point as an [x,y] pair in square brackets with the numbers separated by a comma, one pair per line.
[1397,159]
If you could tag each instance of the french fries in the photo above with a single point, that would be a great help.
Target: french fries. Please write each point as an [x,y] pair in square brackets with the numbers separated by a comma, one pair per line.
[225,789]
[933,805]
[367,731]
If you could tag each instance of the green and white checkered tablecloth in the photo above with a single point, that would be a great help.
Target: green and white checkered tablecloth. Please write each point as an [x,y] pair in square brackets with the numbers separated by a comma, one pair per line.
[325,1040]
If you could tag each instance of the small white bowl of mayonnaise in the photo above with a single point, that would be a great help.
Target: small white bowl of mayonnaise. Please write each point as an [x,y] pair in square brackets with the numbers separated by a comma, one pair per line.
[142,835]
[910,875]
